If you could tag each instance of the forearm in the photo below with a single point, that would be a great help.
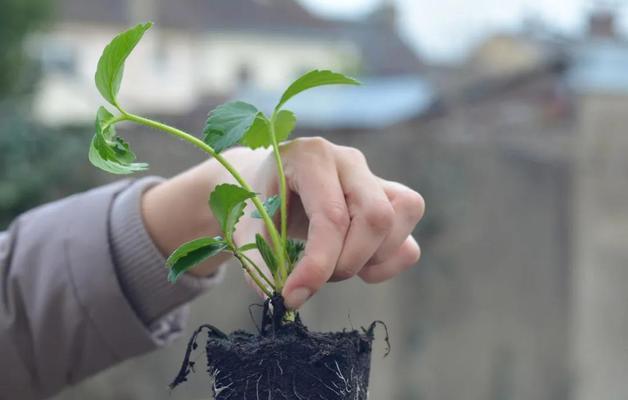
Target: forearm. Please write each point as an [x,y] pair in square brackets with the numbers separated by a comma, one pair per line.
[82,287]
[63,315]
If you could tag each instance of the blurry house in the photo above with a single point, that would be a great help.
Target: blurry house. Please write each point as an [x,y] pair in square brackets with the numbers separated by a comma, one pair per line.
[201,52]
[508,54]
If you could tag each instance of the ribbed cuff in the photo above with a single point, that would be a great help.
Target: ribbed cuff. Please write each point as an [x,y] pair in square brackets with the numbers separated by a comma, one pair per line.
[139,264]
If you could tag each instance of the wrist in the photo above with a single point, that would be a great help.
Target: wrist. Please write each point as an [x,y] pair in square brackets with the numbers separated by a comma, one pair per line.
[139,265]
[176,211]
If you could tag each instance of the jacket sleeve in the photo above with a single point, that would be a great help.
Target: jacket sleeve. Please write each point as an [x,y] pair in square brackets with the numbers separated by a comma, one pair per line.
[82,287]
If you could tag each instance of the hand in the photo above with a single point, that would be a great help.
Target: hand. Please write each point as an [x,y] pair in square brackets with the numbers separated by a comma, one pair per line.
[355,223]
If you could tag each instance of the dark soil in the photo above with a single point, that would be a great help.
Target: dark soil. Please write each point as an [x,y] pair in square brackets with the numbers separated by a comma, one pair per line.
[284,361]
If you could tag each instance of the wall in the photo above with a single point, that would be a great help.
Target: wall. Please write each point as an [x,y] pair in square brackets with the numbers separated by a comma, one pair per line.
[600,326]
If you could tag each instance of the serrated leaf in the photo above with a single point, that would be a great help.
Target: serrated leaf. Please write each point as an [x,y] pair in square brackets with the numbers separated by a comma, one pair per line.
[228,124]
[111,63]
[190,254]
[271,205]
[285,121]
[294,249]
[313,79]
[266,253]
[110,152]
[227,202]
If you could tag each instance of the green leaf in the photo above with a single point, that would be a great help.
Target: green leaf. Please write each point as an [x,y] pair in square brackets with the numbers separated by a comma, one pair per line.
[313,79]
[110,152]
[267,253]
[192,253]
[285,121]
[259,134]
[247,247]
[294,249]
[228,124]
[111,64]
[227,202]
[271,205]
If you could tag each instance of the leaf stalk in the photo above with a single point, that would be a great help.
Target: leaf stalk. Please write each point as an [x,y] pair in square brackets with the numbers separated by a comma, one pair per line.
[249,271]
[257,268]
[283,195]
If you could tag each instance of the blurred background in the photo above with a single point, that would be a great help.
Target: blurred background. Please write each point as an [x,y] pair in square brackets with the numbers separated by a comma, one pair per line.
[509,116]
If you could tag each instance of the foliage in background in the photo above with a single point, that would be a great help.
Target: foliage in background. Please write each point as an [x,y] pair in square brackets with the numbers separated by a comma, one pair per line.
[32,157]
[33,160]
[17,19]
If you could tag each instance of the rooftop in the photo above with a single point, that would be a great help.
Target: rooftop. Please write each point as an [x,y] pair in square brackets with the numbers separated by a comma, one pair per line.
[383,51]
[378,103]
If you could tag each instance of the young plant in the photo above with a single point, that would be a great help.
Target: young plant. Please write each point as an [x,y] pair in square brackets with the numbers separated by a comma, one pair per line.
[228,125]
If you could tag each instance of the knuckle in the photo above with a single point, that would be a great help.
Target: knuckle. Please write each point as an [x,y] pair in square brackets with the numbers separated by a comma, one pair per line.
[412,204]
[310,150]
[337,214]
[380,217]
[318,144]
[354,154]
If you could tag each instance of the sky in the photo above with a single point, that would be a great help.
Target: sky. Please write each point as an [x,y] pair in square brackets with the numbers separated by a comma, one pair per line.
[443,30]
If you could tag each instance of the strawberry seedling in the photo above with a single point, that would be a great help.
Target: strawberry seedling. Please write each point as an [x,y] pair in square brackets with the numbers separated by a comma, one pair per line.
[272,364]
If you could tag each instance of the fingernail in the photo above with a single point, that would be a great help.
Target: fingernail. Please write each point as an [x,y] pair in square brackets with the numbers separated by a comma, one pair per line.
[297,297]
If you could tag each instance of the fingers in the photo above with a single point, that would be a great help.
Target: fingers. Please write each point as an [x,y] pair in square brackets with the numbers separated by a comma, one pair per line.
[404,257]
[359,224]
[409,208]
[324,204]
[372,215]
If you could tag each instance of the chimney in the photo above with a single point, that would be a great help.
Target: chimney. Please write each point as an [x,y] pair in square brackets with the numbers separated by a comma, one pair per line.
[602,24]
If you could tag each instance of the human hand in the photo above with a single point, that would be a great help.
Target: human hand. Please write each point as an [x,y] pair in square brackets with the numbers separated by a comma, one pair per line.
[355,223]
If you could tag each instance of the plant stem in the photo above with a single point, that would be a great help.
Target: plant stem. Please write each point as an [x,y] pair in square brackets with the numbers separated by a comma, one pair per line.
[283,196]
[259,271]
[290,316]
[252,275]
[113,121]
[274,235]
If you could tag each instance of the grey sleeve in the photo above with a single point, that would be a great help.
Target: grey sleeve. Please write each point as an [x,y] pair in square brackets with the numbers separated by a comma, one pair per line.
[82,287]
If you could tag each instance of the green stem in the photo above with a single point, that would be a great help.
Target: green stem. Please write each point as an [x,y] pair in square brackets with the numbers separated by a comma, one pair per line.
[117,106]
[259,271]
[113,121]
[283,195]
[290,316]
[274,235]
[252,275]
